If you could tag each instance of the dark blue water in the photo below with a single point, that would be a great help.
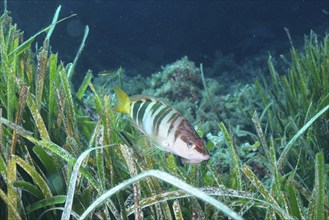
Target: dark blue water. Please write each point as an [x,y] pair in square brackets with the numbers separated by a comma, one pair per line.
[143,35]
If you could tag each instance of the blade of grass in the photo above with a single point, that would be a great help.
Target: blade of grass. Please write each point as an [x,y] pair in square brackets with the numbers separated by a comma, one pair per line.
[265,193]
[169,179]
[12,192]
[41,74]
[294,204]
[37,117]
[277,182]
[5,7]
[1,146]
[18,117]
[234,156]
[99,156]
[218,115]
[53,23]
[36,177]
[53,70]
[55,200]
[126,152]
[319,187]
[29,187]
[72,67]
[11,207]
[3,168]
[260,134]
[177,210]
[215,175]
[71,117]
[98,102]
[21,131]
[61,152]
[84,85]
[27,44]
[298,134]
[11,97]
[71,189]
[74,214]
[218,192]
[75,148]
[45,158]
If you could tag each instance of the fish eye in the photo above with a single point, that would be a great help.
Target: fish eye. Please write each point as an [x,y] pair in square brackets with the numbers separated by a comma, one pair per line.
[190,144]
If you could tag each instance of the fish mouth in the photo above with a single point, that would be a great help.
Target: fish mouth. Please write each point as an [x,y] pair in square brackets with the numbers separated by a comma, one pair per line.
[195,161]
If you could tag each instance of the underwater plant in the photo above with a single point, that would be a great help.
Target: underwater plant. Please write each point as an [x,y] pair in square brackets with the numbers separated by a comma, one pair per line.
[293,99]
[58,160]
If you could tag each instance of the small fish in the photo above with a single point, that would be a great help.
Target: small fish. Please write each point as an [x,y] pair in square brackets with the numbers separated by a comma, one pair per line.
[163,124]
[108,73]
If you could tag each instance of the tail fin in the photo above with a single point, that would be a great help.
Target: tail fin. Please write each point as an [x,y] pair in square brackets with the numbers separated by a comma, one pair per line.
[123,102]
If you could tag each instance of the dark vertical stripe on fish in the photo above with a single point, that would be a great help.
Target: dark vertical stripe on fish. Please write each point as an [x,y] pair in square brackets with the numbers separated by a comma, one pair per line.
[163,108]
[171,122]
[178,130]
[135,110]
[141,111]
[155,107]
[159,117]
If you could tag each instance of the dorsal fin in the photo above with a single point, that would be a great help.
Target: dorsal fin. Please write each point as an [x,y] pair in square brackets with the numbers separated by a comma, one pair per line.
[136,98]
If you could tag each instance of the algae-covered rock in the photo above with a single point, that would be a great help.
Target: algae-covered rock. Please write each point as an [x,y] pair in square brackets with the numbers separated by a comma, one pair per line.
[178,81]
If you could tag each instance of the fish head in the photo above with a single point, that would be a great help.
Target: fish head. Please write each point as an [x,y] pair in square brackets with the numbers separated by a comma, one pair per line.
[197,151]
[191,149]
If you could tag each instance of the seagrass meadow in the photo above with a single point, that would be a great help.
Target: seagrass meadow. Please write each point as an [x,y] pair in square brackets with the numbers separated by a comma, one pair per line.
[58,161]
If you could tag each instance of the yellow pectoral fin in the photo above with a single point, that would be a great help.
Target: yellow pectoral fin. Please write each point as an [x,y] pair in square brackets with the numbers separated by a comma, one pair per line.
[123,102]
[162,143]
[147,146]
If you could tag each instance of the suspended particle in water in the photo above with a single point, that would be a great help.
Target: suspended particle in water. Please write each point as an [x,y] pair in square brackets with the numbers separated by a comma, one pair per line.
[75,28]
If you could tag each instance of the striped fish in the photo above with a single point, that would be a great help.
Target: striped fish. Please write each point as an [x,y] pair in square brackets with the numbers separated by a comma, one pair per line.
[163,124]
